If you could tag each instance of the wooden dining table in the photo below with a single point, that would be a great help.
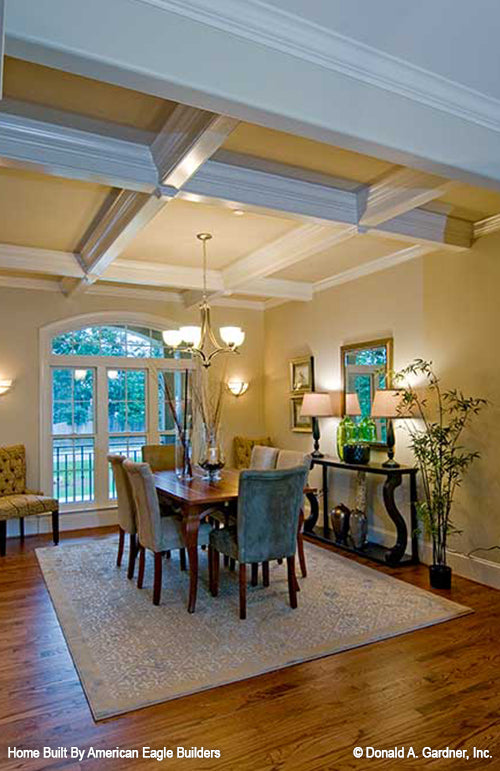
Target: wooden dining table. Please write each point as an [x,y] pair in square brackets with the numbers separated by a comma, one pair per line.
[195,498]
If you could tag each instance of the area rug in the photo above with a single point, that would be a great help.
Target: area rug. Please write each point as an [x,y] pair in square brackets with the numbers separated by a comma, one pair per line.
[130,654]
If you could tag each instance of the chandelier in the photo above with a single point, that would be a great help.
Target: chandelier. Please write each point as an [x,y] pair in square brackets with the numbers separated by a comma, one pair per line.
[200,340]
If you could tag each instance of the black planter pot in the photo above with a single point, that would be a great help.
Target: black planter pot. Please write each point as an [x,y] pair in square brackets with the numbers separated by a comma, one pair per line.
[357,454]
[440,576]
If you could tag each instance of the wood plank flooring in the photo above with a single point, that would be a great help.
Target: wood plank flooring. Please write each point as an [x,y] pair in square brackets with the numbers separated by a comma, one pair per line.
[437,687]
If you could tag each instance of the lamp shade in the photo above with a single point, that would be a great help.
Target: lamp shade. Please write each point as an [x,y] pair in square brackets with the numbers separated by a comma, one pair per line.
[319,405]
[387,403]
[352,405]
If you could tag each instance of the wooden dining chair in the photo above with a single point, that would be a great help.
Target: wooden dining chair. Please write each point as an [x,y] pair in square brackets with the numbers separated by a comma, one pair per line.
[127,518]
[156,533]
[289,459]
[268,513]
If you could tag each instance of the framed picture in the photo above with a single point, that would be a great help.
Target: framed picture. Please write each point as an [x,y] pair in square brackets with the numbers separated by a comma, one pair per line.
[302,375]
[297,422]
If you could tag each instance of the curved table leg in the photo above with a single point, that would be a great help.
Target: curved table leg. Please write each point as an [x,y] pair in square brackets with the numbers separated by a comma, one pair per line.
[190,527]
[397,552]
[310,522]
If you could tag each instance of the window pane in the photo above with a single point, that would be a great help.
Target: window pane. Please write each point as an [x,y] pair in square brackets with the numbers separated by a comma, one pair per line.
[87,341]
[73,470]
[136,416]
[83,417]
[167,439]
[62,418]
[116,384]
[119,340]
[64,345]
[131,447]
[116,416]
[136,385]
[62,385]
[113,341]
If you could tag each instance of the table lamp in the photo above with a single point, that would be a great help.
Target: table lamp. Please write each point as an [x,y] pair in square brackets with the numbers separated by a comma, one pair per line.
[387,404]
[319,405]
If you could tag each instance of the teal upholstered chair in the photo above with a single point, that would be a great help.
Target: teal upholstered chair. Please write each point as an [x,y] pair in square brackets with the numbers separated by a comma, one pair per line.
[156,533]
[269,504]
[288,459]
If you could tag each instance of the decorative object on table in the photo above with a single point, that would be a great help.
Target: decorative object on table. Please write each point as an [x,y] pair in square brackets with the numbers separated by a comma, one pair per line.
[358,528]
[347,428]
[358,454]
[436,441]
[200,340]
[339,517]
[302,375]
[208,393]
[319,405]
[366,367]
[388,404]
[181,413]
[237,387]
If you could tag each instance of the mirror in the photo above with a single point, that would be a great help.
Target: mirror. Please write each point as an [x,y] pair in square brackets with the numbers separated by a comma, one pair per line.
[366,367]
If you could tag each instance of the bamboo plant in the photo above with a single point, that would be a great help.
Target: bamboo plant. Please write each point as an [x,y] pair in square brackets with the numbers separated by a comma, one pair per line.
[436,441]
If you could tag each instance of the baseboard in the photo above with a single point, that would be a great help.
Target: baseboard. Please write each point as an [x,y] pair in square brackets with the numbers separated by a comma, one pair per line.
[77,520]
[475,568]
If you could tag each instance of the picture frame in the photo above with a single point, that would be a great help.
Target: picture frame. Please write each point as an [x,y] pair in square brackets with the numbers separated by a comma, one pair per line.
[301,425]
[302,375]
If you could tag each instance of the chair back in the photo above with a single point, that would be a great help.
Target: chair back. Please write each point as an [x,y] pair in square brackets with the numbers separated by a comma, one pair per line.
[242,449]
[126,505]
[268,513]
[146,504]
[263,458]
[291,458]
[12,470]
[160,457]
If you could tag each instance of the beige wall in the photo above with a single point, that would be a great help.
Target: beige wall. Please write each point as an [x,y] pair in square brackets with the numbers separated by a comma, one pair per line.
[23,312]
[386,304]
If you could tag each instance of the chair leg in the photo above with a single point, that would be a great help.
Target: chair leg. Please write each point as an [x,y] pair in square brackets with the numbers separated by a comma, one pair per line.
[55,527]
[226,560]
[300,546]
[132,553]
[3,537]
[232,564]
[215,572]
[265,573]
[182,558]
[157,579]
[280,562]
[255,573]
[121,546]
[168,554]
[142,566]
[292,581]
[243,591]
[21,528]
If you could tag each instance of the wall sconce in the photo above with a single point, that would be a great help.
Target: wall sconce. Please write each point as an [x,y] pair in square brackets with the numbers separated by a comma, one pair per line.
[237,387]
[5,385]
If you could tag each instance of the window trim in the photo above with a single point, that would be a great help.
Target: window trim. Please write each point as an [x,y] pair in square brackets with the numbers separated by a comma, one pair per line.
[101,364]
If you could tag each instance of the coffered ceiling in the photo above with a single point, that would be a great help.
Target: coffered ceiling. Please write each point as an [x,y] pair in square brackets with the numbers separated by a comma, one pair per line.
[104,189]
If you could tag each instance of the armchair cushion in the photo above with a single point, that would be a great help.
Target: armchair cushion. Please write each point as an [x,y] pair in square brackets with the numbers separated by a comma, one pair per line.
[17,506]
[12,470]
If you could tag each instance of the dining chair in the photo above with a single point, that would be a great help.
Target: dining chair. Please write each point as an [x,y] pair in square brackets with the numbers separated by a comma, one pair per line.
[263,457]
[269,503]
[289,459]
[127,517]
[160,457]
[156,533]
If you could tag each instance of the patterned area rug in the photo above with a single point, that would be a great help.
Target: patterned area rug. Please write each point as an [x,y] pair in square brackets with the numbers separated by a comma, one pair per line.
[130,654]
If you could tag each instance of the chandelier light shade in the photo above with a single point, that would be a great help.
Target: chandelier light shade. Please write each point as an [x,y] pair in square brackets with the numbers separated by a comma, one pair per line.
[200,341]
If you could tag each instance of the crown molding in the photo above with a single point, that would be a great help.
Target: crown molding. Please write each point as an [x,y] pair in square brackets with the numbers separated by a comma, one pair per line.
[486,226]
[258,22]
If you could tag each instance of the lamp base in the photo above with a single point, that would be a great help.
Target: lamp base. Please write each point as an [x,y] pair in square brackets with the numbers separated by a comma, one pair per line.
[391,463]
[317,454]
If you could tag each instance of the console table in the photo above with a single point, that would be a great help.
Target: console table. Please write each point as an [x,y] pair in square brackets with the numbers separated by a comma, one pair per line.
[374,551]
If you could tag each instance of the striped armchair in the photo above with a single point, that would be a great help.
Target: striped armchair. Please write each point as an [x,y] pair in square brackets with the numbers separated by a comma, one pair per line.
[16,501]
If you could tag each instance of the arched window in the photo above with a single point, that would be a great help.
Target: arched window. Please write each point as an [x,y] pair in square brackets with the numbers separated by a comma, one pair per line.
[108,385]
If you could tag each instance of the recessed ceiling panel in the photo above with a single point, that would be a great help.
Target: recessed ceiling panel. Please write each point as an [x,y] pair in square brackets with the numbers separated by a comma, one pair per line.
[46,212]
[306,153]
[171,236]
[349,254]
[35,84]
[472,203]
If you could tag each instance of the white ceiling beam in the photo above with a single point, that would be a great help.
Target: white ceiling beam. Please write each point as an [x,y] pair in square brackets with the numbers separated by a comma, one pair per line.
[293,247]
[423,226]
[188,138]
[398,192]
[486,226]
[279,288]
[374,266]
[259,189]
[68,152]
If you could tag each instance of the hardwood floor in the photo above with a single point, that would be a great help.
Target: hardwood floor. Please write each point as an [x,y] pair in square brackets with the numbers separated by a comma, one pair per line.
[436,687]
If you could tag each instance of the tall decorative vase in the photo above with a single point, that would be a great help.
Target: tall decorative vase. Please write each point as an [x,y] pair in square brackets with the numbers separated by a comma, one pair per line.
[212,459]
[184,456]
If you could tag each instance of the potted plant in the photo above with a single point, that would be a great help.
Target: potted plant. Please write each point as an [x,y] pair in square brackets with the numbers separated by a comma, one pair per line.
[442,459]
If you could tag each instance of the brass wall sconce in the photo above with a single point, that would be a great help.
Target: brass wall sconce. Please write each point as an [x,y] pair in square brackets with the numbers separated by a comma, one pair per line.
[237,387]
[5,386]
